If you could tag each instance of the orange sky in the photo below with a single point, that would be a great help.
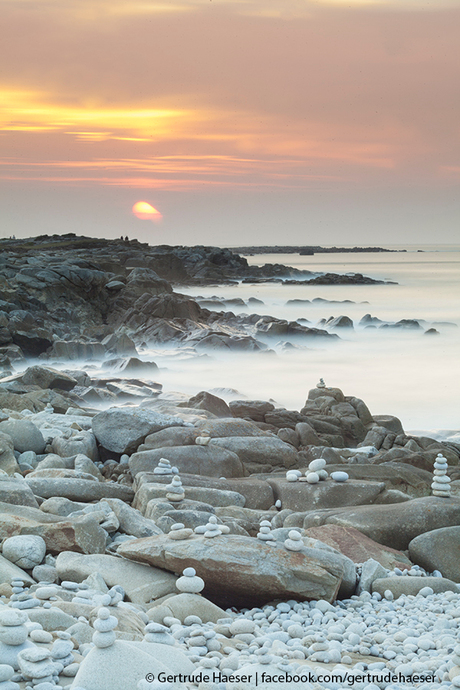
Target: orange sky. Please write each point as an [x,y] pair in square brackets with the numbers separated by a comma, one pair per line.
[343,116]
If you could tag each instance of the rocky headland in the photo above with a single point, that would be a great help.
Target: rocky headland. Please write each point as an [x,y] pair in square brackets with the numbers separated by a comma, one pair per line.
[157,540]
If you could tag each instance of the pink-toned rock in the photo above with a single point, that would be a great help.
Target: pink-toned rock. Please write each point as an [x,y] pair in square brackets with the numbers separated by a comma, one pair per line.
[357,546]
[239,572]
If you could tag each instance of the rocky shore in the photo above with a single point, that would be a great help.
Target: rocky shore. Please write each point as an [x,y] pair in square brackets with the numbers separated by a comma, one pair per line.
[150,539]
[171,536]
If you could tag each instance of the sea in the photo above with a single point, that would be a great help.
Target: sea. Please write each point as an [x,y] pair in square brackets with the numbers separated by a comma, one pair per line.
[400,371]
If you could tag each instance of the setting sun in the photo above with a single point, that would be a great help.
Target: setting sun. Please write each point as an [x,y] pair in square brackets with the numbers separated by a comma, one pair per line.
[146,211]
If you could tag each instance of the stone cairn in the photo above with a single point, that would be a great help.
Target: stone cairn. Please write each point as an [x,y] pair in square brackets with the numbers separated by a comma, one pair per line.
[265,533]
[163,467]
[13,635]
[189,582]
[155,632]
[175,491]
[179,531]
[203,439]
[104,626]
[38,667]
[440,485]
[294,541]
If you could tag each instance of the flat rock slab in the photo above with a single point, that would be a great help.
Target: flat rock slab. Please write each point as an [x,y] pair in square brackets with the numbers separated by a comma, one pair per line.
[79,489]
[393,525]
[123,430]
[397,475]
[357,546]
[438,550]
[412,585]
[17,492]
[208,461]
[239,572]
[82,534]
[10,571]
[259,450]
[141,583]
[258,493]
[213,497]
[302,496]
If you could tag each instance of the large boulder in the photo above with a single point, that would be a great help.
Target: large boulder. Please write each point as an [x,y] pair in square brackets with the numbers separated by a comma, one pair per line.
[209,461]
[222,428]
[392,525]
[207,401]
[8,462]
[46,377]
[357,546]
[82,534]
[16,491]
[83,442]
[241,572]
[78,489]
[254,409]
[122,430]
[259,453]
[438,550]
[25,435]
[141,583]
[302,496]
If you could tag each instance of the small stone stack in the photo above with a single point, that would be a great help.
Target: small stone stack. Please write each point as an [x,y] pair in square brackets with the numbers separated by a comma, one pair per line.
[294,541]
[190,583]
[175,491]
[163,467]
[441,482]
[104,626]
[13,635]
[265,534]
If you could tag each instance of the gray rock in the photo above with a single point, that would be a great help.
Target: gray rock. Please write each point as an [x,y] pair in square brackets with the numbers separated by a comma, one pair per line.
[173,436]
[393,525]
[46,377]
[123,430]
[17,492]
[25,551]
[8,461]
[83,442]
[438,550]
[210,461]
[261,451]
[371,570]
[238,572]
[131,520]
[207,401]
[25,435]
[254,409]
[223,428]
[214,497]
[10,571]
[79,489]
[412,585]
[141,583]
[302,496]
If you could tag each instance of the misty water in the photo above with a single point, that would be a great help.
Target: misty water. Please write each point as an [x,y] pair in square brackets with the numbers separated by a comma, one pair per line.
[395,371]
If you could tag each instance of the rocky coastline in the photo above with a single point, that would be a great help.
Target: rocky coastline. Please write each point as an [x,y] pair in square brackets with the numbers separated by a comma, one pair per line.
[157,540]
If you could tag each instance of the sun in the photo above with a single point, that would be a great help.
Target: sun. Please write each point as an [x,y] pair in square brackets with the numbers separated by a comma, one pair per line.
[145,211]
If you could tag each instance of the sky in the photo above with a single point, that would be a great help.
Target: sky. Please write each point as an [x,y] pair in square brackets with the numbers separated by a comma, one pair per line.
[241,121]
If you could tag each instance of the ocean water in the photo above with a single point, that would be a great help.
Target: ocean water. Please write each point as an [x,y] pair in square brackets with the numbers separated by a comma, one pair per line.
[395,371]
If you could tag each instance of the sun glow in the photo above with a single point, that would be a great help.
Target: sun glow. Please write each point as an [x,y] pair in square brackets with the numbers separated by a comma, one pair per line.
[145,211]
